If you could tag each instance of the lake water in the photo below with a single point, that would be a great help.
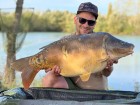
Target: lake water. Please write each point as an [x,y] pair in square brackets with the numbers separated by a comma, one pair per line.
[125,76]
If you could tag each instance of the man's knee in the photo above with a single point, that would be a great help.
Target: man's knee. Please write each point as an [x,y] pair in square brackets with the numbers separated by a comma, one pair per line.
[54,81]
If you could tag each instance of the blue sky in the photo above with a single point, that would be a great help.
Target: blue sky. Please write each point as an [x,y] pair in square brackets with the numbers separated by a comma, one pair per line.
[69,5]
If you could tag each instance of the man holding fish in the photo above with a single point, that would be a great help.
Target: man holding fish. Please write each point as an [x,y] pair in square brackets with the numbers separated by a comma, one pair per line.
[85,21]
[83,60]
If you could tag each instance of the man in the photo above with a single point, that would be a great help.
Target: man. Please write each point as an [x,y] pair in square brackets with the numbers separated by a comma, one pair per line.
[85,21]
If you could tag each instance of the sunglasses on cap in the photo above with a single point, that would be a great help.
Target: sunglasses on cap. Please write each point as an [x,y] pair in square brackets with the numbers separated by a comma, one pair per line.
[83,21]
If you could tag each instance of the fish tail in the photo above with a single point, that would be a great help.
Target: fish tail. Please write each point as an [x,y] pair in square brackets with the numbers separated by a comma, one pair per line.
[28,77]
[28,72]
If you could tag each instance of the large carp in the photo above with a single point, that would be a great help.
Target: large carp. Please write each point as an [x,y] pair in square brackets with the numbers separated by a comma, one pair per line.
[76,55]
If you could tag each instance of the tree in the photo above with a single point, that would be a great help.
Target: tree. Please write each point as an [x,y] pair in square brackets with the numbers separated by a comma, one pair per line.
[110,10]
[11,35]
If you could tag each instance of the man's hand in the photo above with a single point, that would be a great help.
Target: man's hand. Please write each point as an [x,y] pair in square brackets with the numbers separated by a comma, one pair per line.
[109,68]
[56,70]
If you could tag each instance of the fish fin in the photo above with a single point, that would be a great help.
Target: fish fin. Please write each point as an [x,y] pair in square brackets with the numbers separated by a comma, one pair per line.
[85,77]
[27,77]
[28,72]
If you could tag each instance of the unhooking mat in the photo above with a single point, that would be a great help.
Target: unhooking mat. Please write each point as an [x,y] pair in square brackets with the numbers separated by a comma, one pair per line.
[80,95]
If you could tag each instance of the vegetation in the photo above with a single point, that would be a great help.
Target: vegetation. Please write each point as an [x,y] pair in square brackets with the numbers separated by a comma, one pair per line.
[122,19]
[114,21]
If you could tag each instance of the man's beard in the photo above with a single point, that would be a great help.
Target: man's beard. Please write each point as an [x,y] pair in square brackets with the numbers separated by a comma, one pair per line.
[86,30]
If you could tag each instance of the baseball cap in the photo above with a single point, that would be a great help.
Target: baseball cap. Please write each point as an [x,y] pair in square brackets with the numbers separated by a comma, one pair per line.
[88,7]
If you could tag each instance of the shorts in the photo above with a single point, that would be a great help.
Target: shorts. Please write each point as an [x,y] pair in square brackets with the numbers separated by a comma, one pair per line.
[71,84]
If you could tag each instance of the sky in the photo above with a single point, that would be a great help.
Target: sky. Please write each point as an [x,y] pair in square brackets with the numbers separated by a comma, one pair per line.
[69,5]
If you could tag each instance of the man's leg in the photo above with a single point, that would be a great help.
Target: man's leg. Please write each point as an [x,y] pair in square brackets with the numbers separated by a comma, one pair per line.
[54,81]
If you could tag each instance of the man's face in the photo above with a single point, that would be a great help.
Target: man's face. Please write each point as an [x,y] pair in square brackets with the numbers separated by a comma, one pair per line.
[84,26]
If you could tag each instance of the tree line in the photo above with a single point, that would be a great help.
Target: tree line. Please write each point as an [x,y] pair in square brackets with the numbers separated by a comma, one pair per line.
[62,21]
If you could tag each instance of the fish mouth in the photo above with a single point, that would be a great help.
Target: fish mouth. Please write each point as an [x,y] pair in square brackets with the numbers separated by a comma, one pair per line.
[131,52]
[126,54]
[123,55]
